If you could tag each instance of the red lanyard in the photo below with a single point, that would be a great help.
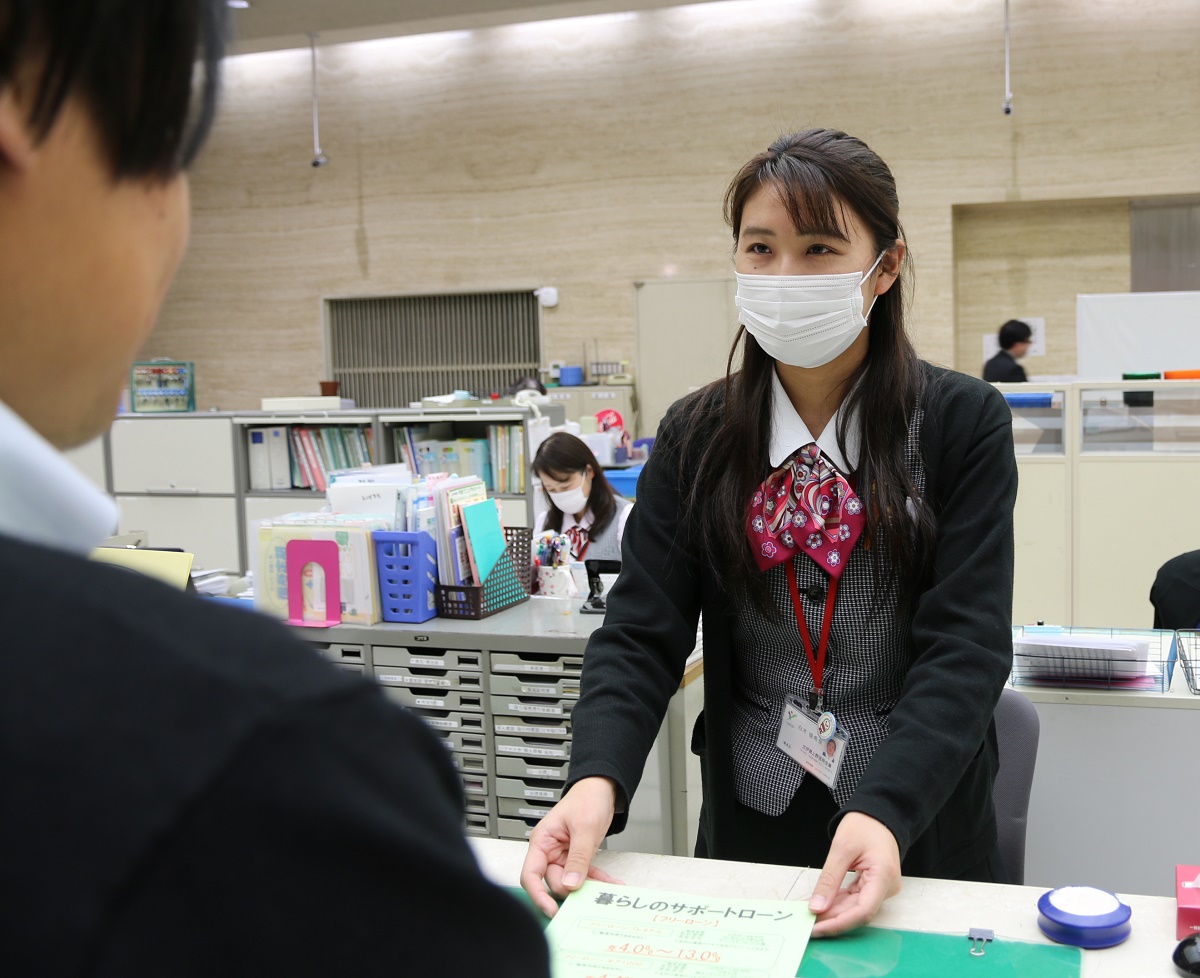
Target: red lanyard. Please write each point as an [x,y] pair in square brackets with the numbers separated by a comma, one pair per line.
[816,662]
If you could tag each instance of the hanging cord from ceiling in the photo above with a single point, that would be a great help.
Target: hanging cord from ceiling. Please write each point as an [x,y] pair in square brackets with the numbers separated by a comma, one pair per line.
[319,158]
[1008,96]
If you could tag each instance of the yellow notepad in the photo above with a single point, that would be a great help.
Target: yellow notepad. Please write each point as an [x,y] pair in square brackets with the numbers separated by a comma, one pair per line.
[168,566]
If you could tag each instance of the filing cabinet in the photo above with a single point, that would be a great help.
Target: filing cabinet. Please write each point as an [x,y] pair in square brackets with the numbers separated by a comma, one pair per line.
[445,688]
[500,694]
[532,695]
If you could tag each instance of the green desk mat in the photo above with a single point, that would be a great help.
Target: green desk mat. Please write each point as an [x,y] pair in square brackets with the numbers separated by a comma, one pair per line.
[876,951]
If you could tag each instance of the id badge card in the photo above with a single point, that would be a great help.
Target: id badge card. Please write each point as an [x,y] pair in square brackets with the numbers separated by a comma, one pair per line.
[813,740]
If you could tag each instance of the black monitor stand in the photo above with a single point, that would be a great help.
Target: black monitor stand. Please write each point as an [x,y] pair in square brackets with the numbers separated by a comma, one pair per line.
[594,605]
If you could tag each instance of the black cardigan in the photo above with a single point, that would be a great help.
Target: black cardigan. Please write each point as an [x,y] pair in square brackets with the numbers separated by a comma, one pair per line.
[930,782]
[191,791]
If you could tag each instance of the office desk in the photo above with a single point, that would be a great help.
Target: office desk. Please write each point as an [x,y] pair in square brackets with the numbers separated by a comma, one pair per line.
[938,906]
[1115,796]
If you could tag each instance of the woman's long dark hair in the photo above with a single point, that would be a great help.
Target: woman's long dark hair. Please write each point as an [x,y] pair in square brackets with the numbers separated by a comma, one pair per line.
[561,455]
[817,173]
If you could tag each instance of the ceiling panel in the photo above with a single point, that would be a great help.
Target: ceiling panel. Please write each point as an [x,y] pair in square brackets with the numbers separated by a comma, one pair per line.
[269,24]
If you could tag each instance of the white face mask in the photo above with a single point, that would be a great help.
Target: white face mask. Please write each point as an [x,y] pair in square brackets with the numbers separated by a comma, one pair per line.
[571,502]
[803,320]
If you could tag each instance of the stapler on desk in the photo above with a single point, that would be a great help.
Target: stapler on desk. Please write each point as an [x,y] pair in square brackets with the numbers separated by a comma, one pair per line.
[594,605]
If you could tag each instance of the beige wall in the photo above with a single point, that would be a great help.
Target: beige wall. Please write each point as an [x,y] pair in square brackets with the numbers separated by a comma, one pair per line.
[591,153]
[1032,259]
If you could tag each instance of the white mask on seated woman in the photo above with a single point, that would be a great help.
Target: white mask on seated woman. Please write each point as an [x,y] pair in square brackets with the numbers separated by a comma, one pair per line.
[571,502]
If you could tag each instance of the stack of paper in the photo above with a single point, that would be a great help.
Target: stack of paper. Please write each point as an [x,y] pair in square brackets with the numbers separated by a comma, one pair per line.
[212,582]
[1086,660]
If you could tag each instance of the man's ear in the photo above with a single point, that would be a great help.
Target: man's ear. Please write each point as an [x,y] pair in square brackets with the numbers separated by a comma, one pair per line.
[18,147]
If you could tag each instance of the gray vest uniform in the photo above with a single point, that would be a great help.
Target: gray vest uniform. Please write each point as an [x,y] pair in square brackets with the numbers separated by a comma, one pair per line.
[604,545]
[865,667]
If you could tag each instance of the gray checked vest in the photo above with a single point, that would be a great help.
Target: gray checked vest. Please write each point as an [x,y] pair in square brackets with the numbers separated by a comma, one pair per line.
[869,652]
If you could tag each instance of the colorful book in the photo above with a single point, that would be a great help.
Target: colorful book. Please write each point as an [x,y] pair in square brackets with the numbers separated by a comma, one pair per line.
[300,453]
[485,536]
[315,467]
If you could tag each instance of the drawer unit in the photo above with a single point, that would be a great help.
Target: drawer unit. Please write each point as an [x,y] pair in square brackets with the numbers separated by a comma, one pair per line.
[478,805]
[435,699]
[462,660]
[536,664]
[515,828]
[530,706]
[530,747]
[467,742]
[452,720]
[519,808]
[537,792]
[432,679]
[525,685]
[525,767]
[479,825]
[474,784]
[343,654]
[539,728]
[472,764]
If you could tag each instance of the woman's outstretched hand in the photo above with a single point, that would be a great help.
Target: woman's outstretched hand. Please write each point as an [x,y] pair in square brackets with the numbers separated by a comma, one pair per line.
[563,843]
[864,845]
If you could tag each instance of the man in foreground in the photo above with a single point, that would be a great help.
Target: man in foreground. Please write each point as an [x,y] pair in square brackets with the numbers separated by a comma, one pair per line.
[188,790]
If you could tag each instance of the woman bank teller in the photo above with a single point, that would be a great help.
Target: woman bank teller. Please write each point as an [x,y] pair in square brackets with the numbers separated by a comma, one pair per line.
[841,512]
[582,504]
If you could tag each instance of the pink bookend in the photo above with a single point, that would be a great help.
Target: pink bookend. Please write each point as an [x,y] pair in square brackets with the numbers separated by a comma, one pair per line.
[323,553]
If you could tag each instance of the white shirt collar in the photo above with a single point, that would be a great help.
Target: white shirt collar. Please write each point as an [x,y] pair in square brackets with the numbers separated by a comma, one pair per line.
[789,432]
[43,498]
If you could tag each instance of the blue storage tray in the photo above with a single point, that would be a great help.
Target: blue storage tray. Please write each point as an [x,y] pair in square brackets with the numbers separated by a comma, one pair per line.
[1030,400]
[624,481]
[407,569]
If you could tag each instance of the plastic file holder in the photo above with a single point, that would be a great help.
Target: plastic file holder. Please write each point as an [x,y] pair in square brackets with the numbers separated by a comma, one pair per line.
[506,585]
[407,568]
[1093,658]
[1188,643]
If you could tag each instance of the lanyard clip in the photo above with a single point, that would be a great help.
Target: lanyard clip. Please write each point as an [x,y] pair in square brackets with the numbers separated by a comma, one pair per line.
[820,701]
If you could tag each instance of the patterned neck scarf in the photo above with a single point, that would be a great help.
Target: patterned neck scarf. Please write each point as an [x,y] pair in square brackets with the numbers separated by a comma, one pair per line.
[805,506]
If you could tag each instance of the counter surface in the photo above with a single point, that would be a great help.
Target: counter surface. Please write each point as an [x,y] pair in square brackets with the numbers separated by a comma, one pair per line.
[940,906]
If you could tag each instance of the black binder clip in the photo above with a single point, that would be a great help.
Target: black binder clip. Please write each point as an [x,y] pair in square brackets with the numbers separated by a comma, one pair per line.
[594,605]
[979,936]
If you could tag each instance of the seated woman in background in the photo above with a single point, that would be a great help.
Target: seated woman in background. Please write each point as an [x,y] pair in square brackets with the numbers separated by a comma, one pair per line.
[583,505]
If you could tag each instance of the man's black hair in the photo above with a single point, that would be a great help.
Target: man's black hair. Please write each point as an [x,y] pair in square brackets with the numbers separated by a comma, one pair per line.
[1013,332]
[146,70]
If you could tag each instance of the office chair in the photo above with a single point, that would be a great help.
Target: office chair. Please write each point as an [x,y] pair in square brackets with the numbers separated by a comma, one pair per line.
[1017,729]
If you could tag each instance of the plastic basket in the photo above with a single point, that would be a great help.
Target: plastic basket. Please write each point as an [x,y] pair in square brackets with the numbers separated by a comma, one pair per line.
[1094,658]
[1189,657]
[407,568]
[506,585]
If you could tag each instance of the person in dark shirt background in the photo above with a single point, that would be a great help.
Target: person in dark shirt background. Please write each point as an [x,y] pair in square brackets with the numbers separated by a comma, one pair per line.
[1015,337]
